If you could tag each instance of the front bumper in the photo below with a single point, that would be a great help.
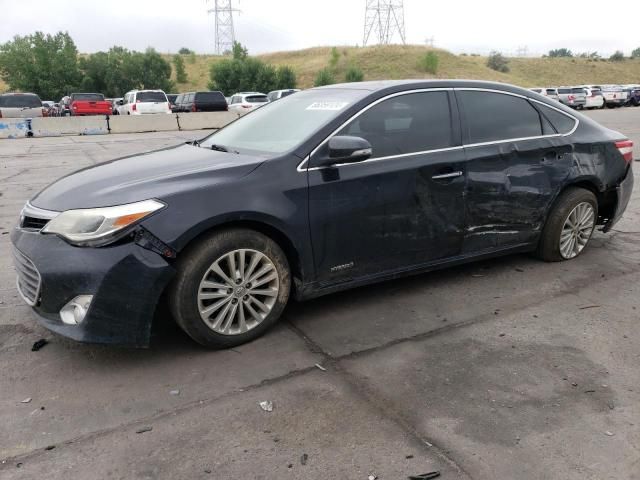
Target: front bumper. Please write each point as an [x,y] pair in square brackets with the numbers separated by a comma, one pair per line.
[623,190]
[126,282]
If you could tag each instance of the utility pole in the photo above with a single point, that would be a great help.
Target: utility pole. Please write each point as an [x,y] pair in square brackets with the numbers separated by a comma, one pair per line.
[522,51]
[223,25]
[383,19]
[429,41]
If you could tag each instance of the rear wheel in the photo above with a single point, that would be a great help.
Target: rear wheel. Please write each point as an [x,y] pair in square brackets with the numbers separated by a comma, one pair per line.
[569,226]
[230,288]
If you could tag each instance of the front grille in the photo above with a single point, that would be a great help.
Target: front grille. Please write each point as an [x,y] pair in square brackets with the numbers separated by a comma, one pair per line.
[28,278]
[33,223]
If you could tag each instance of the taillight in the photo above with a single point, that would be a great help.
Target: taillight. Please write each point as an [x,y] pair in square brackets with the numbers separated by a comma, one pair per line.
[193,108]
[0,113]
[625,147]
[44,112]
[571,98]
[133,107]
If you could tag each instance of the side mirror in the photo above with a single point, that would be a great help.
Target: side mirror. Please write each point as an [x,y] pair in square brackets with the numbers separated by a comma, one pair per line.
[346,149]
[120,102]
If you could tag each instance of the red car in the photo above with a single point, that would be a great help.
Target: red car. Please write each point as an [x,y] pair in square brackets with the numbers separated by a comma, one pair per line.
[89,104]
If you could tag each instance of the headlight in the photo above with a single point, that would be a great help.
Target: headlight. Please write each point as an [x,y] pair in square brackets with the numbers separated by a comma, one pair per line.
[99,226]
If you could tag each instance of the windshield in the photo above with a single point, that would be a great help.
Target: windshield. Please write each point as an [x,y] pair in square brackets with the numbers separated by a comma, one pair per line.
[280,126]
[94,97]
[151,97]
[20,101]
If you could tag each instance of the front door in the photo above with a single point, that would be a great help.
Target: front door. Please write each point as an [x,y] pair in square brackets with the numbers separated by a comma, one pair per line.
[402,207]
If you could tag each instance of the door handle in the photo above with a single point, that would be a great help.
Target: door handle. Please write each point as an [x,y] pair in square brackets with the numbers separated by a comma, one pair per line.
[445,176]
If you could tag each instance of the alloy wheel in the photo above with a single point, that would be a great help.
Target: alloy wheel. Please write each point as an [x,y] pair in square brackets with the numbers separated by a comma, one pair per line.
[577,230]
[238,291]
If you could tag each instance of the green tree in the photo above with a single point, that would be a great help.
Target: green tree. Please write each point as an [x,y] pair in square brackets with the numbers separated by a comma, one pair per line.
[242,72]
[286,78]
[618,56]
[335,58]
[324,77]
[185,51]
[239,52]
[560,52]
[429,62]
[39,63]
[498,62]
[635,53]
[178,64]
[353,74]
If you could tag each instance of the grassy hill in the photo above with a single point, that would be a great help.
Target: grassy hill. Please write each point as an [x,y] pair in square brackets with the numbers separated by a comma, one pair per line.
[397,61]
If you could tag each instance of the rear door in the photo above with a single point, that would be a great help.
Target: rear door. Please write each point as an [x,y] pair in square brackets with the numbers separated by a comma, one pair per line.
[401,208]
[515,164]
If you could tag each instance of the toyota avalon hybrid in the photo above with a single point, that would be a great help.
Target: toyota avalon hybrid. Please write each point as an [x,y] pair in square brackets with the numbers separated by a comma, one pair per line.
[324,190]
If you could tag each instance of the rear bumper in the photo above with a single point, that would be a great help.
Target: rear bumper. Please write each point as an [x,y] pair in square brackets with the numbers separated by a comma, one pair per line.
[623,191]
[126,282]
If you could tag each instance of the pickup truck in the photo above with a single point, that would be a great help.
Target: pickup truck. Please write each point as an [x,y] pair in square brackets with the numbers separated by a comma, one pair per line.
[89,104]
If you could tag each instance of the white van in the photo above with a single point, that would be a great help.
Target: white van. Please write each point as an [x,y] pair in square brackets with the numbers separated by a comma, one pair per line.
[144,102]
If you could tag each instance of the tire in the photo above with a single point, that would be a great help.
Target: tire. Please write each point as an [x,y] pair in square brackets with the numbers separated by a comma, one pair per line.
[572,200]
[197,287]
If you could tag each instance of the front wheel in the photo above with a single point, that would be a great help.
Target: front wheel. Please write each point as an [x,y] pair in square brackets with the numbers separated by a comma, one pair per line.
[569,226]
[230,288]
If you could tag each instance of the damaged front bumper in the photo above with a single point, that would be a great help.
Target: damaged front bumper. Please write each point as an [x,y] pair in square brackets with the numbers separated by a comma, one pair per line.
[125,280]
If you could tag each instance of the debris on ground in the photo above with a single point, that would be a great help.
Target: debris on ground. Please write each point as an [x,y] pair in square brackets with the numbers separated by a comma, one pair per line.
[144,429]
[589,306]
[372,477]
[39,344]
[321,367]
[477,275]
[175,392]
[519,270]
[267,406]
[26,400]
[425,476]
[303,459]
[207,470]
[408,457]
[609,434]
[50,447]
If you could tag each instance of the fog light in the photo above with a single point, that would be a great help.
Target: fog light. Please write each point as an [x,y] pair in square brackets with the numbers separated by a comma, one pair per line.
[74,312]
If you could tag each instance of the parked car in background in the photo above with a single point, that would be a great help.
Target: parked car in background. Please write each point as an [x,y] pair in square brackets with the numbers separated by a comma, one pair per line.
[574,97]
[178,100]
[21,105]
[53,110]
[551,93]
[114,105]
[595,99]
[247,101]
[65,106]
[144,102]
[633,95]
[212,101]
[82,104]
[172,98]
[614,96]
[278,94]
[384,180]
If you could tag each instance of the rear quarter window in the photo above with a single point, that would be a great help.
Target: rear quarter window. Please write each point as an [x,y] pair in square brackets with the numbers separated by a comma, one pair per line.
[491,117]
[210,97]
[561,122]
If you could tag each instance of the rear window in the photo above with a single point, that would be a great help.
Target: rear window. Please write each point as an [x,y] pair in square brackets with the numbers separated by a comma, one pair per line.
[210,97]
[256,99]
[562,123]
[151,97]
[564,90]
[94,97]
[551,91]
[577,90]
[287,93]
[20,101]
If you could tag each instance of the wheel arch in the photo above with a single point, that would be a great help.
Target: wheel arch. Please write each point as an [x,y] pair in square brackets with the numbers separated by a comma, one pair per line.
[607,199]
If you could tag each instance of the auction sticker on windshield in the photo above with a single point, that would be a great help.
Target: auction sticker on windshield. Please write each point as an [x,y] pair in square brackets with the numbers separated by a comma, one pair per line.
[327,105]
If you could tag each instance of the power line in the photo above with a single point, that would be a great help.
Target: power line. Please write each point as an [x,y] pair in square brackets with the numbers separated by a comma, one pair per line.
[223,25]
[384,19]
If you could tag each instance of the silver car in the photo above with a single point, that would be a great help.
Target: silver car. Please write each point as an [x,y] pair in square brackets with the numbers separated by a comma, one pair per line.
[574,97]
[20,105]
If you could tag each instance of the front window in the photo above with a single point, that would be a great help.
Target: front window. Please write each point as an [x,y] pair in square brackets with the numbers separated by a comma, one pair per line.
[281,126]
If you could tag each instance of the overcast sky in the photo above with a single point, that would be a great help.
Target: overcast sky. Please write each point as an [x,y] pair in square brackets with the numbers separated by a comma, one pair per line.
[274,25]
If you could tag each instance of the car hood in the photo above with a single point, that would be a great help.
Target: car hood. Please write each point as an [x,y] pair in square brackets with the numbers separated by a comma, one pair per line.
[158,174]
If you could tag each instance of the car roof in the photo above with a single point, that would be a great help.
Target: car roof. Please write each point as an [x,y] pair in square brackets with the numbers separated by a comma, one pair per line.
[18,93]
